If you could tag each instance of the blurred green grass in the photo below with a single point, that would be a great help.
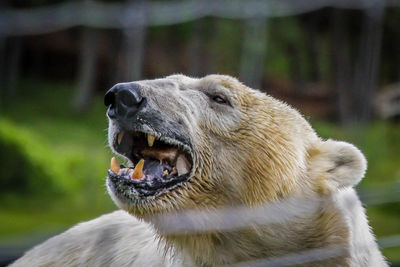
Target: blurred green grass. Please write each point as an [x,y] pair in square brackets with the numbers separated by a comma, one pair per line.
[71,149]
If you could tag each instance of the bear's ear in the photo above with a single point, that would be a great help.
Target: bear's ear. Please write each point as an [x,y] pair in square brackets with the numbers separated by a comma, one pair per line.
[336,164]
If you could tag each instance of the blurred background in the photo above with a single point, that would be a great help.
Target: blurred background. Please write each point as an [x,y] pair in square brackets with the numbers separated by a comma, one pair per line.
[338,62]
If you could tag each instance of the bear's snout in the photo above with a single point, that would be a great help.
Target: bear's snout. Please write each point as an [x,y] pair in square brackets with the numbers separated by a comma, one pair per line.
[124,101]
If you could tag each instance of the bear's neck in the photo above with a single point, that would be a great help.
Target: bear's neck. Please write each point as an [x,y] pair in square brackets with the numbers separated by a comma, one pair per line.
[321,228]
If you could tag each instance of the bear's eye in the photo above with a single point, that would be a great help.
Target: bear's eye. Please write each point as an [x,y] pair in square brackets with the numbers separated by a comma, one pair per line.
[220,99]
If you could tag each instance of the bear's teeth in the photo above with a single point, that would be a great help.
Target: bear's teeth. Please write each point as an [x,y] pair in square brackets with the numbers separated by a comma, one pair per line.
[138,171]
[114,165]
[120,136]
[150,139]
[182,165]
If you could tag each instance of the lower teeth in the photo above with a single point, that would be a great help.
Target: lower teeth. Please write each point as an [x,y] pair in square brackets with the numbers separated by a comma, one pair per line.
[138,171]
[153,168]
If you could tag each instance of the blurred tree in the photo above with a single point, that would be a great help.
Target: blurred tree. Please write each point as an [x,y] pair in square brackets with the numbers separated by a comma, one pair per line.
[133,40]
[253,51]
[10,62]
[196,50]
[368,62]
[295,64]
[342,64]
[311,34]
[87,69]
[356,84]
[13,63]
[2,62]
[37,66]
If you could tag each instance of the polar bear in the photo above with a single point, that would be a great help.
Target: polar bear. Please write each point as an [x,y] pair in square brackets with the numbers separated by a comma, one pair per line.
[218,174]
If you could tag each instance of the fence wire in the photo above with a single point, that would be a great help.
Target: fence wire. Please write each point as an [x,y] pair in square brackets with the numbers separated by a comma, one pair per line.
[313,255]
[193,222]
[62,16]
[270,213]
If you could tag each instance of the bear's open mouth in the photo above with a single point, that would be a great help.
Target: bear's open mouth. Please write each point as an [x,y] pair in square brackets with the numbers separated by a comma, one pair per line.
[157,162]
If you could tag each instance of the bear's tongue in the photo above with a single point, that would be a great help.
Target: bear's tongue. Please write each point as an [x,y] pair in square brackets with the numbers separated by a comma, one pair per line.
[153,167]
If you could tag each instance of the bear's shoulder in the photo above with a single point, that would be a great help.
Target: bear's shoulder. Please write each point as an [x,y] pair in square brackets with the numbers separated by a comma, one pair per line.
[114,239]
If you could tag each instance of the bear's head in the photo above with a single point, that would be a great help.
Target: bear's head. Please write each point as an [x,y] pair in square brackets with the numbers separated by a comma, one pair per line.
[213,142]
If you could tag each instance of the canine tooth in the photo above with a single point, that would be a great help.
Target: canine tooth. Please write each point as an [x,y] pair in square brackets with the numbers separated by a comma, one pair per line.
[150,139]
[182,165]
[138,171]
[114,165]
[120,136]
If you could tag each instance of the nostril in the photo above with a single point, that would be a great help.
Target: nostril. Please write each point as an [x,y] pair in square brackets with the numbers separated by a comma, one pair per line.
[111,113]
[129,98]
[109,98]
[124,100]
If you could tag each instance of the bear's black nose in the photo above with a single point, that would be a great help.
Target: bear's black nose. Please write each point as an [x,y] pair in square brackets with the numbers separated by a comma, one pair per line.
[124,100]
